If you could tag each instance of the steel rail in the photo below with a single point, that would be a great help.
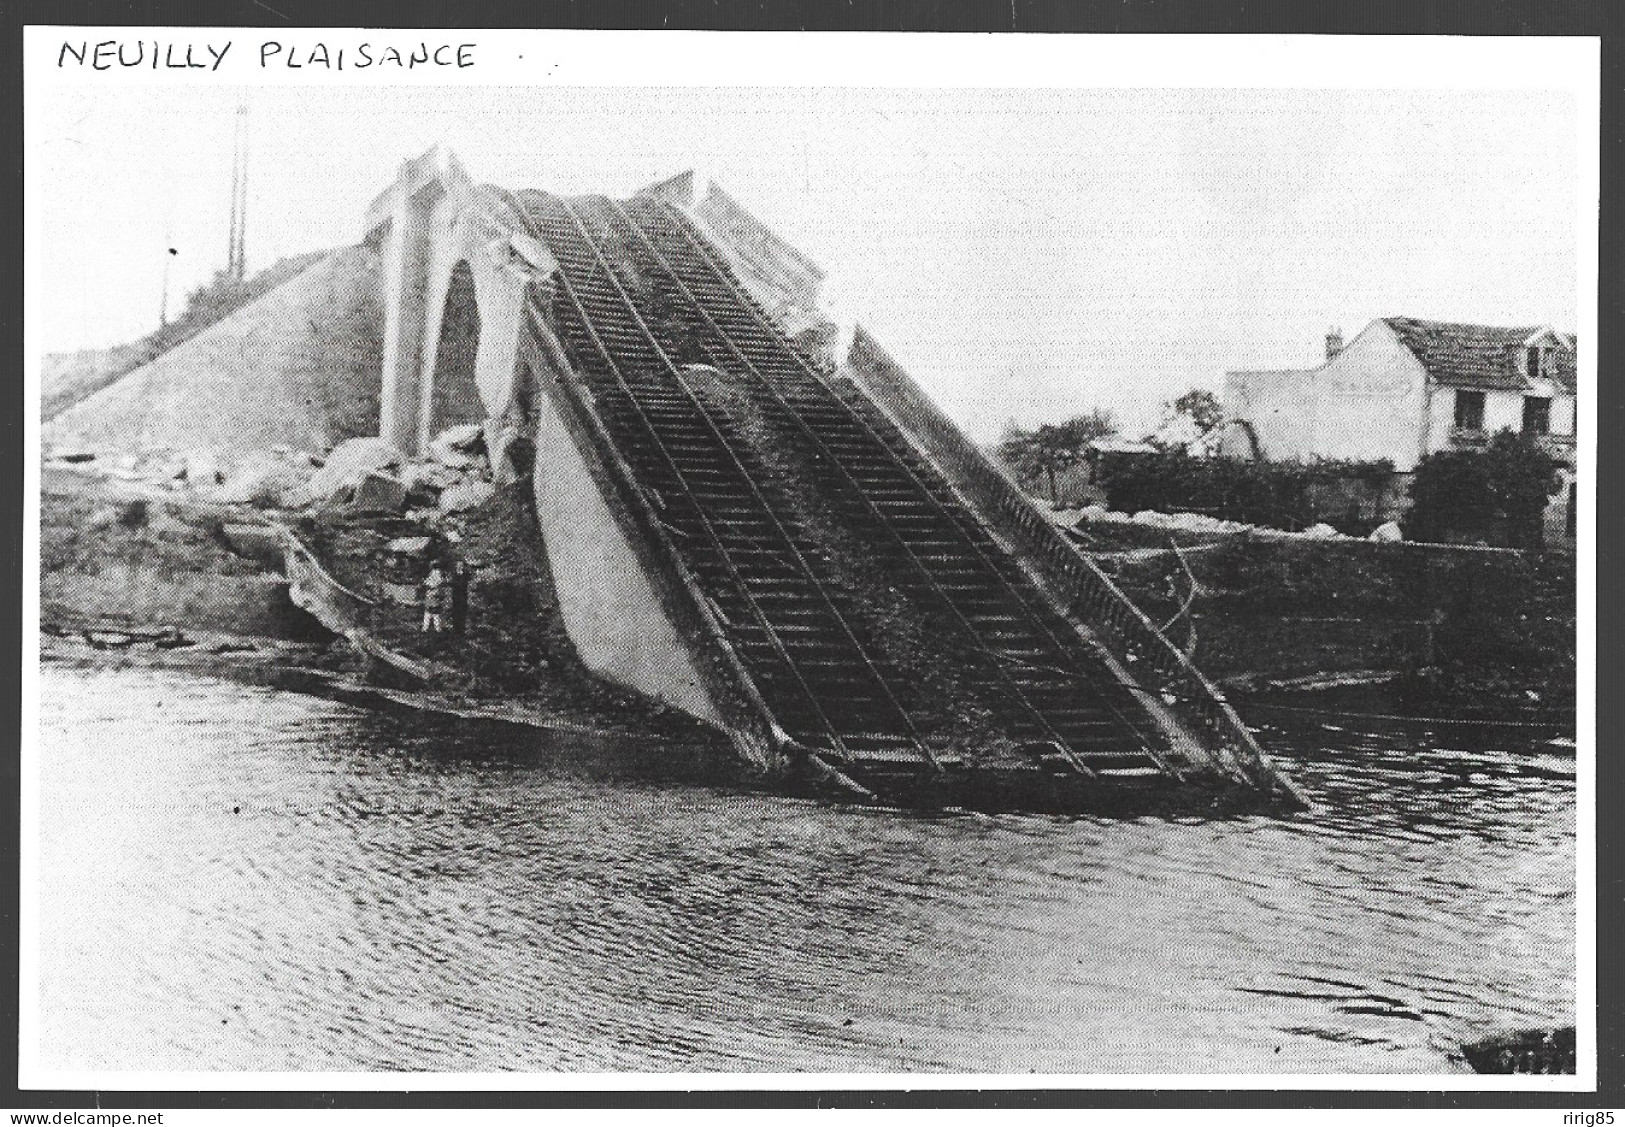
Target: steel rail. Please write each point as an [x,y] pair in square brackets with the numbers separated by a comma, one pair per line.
[856,487]
[706,604]
[662,533]
[1035,619]
[1086,588]
[767,508]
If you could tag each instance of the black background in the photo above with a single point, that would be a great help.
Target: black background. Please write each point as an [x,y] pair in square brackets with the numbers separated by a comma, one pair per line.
[1346,17]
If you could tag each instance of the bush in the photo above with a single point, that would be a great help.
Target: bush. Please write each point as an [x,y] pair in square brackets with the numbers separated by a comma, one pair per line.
[1272,494]
[1497,494]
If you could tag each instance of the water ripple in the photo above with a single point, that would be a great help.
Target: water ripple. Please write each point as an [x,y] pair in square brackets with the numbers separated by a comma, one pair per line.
[248,879]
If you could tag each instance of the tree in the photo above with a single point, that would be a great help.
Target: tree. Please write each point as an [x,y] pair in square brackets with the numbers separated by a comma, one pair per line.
[1188,421]
[1201,407]
[1034,456]
[1499,491]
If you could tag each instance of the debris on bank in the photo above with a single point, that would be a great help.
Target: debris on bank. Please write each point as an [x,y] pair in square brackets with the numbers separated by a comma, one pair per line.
[1073,519]
[175,544]
[1548,1052]
[395,530]
[1088,525]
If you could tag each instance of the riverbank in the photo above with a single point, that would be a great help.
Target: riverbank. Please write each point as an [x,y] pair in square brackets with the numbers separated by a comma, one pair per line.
[1349,628]
[113,553]
[132,575]
[1399,629]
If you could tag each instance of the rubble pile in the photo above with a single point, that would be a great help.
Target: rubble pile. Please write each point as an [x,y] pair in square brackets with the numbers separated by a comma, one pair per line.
[157,540]
[379,522]
[365,474]
[208,519]
[369,475]
[272,478]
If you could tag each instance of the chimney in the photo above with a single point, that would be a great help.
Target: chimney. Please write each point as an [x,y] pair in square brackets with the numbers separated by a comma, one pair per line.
[1334,342]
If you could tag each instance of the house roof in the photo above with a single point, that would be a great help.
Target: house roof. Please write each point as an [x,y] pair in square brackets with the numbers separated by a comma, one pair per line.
[1478,356]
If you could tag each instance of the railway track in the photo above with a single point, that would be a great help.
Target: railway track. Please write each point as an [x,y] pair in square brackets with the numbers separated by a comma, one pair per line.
[749,452]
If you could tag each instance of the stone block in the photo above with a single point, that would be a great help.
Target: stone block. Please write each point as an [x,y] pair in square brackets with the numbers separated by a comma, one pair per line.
[380,493]
[350,462]
[468,495]
[266,478]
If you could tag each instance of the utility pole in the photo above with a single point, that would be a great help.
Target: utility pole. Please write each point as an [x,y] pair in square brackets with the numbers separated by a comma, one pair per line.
[163,300]
[235,258]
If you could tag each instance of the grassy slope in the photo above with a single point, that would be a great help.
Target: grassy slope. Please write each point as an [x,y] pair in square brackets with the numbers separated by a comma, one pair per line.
[297,366]
[68,378]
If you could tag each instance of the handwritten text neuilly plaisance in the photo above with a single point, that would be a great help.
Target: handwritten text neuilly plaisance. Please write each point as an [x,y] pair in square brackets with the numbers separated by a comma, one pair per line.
[155,54]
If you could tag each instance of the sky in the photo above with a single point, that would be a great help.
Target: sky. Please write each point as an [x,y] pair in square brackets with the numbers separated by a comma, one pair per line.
[1028,254]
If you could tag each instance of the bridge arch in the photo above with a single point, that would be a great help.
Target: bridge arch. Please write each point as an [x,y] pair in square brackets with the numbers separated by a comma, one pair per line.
[454,296]
[452,395]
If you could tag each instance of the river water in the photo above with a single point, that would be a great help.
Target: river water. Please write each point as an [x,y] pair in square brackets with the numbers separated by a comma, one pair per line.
[249,879]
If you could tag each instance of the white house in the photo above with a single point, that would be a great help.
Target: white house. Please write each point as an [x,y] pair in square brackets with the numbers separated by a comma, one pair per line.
[1404,388]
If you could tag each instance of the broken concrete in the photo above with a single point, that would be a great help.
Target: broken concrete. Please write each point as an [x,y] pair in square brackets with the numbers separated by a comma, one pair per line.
[456,446]
[350,462]
[267,479]
[202,468]
[379,493]
[467,495]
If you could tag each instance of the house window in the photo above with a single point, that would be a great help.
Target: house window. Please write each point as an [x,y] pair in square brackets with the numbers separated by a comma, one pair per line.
[1469,410]
[1537,415]
[1532,361]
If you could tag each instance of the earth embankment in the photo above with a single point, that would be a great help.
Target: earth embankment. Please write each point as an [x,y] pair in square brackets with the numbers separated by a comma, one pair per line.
[298,366]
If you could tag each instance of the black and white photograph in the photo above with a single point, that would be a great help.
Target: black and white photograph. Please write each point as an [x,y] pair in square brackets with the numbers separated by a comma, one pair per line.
[776,560]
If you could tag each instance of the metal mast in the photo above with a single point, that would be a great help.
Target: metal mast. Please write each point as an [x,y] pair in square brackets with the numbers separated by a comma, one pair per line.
[235,258]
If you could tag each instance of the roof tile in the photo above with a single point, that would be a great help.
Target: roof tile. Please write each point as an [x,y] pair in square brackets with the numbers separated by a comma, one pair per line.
[1476,356]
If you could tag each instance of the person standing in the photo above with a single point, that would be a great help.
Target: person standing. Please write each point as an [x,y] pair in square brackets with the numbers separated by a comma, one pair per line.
[459,596]
[436,597]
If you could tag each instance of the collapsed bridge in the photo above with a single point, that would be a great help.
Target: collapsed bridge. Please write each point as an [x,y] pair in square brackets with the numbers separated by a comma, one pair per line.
[798,548]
